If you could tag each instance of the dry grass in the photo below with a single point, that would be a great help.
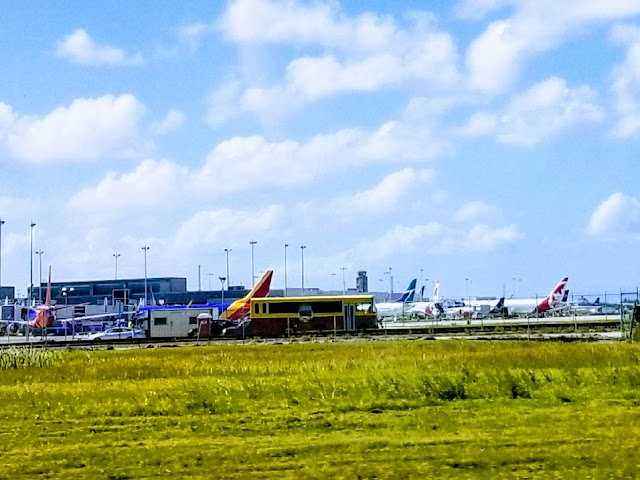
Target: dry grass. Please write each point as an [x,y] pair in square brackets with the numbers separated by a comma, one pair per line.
[392,409]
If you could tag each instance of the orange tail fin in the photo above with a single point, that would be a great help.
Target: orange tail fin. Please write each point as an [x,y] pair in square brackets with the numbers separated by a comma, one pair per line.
[240,307]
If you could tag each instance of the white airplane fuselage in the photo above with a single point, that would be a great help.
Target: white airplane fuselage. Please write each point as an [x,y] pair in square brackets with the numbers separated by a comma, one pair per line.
[392,309]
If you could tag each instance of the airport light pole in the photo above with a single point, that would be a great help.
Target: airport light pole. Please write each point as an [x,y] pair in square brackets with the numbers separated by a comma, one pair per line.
[285,268]
[1,224]
[65,294]
[302,247]
[391,279]
[115,258]
[344,286]
[333,276]
[389,290]
[253,276]
[39,253]
[209,275]
[222,279]
[515,279]
[31,264]
[467,281]
[228,278]
[146,249]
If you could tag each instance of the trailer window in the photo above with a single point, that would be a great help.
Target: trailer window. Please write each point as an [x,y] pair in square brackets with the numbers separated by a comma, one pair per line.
[160,321]
[193,320]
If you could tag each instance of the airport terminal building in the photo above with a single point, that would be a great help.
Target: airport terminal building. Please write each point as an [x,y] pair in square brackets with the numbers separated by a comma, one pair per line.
[160,290]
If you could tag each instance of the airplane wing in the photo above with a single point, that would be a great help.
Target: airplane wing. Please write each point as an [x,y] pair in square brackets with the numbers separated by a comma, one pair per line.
[95,317]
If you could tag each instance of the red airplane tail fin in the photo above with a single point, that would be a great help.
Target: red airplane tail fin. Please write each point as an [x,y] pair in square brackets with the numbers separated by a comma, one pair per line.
[47,300]
[240,307]
[555,297]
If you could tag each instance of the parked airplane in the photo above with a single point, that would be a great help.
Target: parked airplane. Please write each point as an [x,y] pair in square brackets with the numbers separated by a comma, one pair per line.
[476,308]
[584,307]
[400,306]
[428,309]
[242,307]
[556,300]
[42,317]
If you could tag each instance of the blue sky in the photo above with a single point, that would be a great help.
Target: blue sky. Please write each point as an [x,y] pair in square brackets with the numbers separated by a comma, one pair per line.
[488,140]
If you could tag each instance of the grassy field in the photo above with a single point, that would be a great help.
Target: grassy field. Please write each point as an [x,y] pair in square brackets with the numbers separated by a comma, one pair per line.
[384,409]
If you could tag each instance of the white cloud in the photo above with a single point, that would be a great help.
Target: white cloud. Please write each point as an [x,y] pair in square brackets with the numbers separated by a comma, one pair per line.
[483,237]
[215,227]
[173,120]
[263,21]
[394,193]
[541,112]
[191,34]
[496,57]
[139,190]
[89,129]
[477,9]
[626,81]
[618,214]
[109,202]
[80,48]
[401,238]
[473,210]
[388,194]
[223,103]
[248,162]
[243,164]
[360,54]
[436,238]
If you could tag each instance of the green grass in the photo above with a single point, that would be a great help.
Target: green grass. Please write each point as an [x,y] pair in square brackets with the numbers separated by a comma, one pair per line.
[384,409]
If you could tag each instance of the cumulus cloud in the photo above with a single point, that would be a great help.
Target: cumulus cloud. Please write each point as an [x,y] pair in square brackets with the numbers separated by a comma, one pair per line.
[618,214]
[171,121]
[86,130]
[626,81]
[477,9]
[474,210]
[140,189]
[211,227]
[360,54]
[437,238]
[392,193]
[263,21]
[497,56]
[246,162]
[80,48]
[253,164]
[483,237]
[401,237]
[541,112]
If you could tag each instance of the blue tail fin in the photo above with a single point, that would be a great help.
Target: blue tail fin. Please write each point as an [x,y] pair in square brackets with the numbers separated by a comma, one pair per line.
[409,293]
